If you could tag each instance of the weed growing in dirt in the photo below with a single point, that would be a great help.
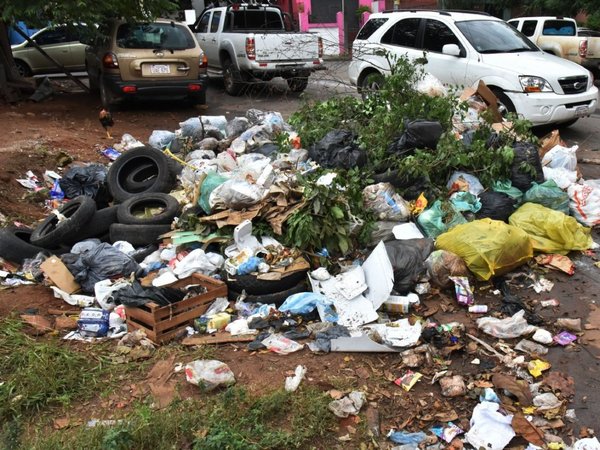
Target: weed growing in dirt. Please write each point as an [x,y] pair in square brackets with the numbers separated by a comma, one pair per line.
[228,420]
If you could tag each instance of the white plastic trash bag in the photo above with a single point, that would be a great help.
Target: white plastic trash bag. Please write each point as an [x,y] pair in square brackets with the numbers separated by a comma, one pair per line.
[209,374]
[489,428]
[198,261]
[509,328]
[561,157]
[585,202]
[561,176]
[474,186]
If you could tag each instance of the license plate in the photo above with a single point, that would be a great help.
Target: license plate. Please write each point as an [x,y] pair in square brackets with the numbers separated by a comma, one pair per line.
[160,68]
[581,111]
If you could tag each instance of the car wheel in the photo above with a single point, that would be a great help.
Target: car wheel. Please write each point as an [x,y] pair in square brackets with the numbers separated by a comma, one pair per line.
[158,170]
[165,208]
[23,69]
[52,232]
[15,244]
[232,79]
[297,84]
[137,235]
[370,84]
[107,97]
[505,105]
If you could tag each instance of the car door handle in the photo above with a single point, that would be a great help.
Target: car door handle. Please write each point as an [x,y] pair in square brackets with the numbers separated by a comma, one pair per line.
[183,69]
[214,40]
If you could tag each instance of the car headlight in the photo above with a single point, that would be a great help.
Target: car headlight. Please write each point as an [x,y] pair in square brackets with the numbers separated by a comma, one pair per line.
[534,84]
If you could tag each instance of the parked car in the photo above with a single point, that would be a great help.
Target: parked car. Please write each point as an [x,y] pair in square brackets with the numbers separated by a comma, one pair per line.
[60,42]
[246,42]
[560,36]
[160,60]
[462,49]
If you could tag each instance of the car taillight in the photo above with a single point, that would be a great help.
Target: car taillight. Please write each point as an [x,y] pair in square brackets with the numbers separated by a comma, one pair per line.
[250,48]
[129,89]
[320,47]
[583,48]
[192,87]
[110,61]
[203,62]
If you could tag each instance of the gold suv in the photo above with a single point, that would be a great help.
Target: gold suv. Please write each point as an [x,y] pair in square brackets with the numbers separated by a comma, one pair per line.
[160,60]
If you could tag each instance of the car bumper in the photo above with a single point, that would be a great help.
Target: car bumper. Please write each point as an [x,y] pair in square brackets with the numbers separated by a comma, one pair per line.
[284,69]
[548,108]
[194,90]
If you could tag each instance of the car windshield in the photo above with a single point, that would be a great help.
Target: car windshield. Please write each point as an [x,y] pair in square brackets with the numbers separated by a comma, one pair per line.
[167,36]
[494,36]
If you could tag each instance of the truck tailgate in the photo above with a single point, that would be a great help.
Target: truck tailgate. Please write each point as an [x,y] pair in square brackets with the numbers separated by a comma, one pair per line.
[286,47]
[593,51]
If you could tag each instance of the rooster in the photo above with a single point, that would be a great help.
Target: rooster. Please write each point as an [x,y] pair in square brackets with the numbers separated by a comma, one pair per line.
[107,121]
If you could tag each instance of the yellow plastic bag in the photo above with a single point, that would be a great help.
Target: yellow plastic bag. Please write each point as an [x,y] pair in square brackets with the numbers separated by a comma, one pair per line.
[551,231]
[488,247]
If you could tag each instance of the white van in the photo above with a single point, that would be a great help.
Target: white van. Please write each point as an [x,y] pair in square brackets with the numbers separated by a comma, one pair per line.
[462,49]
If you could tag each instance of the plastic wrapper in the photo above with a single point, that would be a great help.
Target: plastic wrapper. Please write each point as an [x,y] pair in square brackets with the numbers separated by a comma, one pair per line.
[560,156]
[338,149]
[551,231]
[292,383]
[431,86]
[462,181]
[280,344]
[236,195]
[385,203]
[421,134]
[192,128]
[408,261]
[161,139]
[521,178]
[463,291]
[585,202]
[490,429]
[209,374]
[508,328]
[439,218]
[465,202]
[548,194]
[406,438]
[99,263]
[488,247]
[441,265]
[496,205]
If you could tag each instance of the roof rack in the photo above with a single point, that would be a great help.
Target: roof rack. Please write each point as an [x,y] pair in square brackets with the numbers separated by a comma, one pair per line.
[445,12]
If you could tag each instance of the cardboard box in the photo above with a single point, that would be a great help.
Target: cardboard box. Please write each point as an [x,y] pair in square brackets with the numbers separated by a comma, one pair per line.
[59,274]
[488,97]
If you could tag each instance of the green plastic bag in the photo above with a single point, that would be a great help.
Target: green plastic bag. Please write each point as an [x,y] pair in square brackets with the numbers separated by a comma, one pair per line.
[548,194]
[465,201]
[551,231]
[506,187]
[488,247]
[210,183]
[440,218]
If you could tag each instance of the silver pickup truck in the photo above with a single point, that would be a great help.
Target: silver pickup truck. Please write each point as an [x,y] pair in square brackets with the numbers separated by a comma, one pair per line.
[246,42]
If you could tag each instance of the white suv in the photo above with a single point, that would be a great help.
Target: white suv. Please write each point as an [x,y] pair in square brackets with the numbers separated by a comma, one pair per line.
[462,49]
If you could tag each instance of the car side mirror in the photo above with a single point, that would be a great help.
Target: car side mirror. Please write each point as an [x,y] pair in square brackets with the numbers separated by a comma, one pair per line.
[451,49]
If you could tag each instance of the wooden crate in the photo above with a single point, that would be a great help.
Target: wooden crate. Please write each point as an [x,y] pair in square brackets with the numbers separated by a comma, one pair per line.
[163,323]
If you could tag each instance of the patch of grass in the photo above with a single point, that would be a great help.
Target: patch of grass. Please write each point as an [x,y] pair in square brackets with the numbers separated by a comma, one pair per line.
[227,420]
[37,374]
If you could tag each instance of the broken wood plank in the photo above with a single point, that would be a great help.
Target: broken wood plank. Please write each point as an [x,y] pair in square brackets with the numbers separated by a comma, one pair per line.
[218,338]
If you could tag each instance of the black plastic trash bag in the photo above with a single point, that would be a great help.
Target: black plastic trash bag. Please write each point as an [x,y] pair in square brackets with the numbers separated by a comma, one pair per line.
[338,149]
[408,261]
[496,206]
[417,134]
[99,262]
[526,152]
[84,180]
[136,295]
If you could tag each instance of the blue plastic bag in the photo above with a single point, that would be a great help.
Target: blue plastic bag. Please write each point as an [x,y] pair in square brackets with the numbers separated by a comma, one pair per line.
[306,302]
[403,437]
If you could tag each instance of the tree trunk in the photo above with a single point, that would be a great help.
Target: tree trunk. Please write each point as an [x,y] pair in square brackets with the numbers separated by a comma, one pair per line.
[11,83]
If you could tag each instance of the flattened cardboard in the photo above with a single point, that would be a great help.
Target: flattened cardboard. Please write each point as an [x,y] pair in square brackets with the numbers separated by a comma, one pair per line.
[58,273]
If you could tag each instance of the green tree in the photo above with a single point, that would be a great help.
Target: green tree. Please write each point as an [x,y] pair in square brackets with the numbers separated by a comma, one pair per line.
[41,12]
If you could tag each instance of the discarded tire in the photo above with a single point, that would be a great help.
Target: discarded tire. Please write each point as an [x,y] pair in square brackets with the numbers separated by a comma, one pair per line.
[137,235]
[276,298]
[129,212]
[98,225]
[147,163]
[52,232]
[255,286]
[15,245]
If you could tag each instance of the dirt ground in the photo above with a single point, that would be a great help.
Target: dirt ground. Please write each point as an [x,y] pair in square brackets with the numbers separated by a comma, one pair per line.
[43,136]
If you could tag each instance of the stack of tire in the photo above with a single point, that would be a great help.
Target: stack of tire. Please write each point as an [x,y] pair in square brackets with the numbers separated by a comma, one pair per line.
[266,291]
[138,181]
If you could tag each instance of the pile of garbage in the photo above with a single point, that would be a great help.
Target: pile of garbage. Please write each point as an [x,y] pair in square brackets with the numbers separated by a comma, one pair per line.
[127,236]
